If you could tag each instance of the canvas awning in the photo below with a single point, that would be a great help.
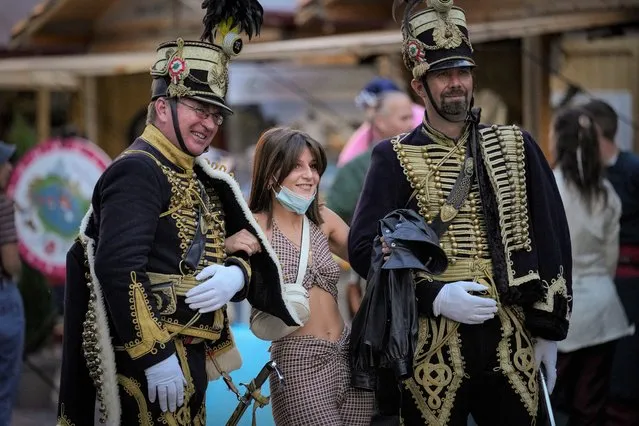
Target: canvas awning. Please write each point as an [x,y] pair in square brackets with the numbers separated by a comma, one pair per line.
[65,71]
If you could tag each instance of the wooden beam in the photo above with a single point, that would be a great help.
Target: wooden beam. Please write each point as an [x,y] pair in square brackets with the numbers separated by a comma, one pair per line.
[53,41]
[30,80]
[536,89]
[136,60]
[389,41]
[43,114]
[358,12]
[23,30]
[90,104]
[149,40]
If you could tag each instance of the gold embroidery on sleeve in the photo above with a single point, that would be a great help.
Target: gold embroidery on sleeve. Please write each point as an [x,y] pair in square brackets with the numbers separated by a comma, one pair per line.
[245,265]
[148,329]
[557,286]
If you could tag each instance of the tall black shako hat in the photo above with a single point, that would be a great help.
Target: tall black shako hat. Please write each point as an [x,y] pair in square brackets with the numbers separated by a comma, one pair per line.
[434,38]
[199,69]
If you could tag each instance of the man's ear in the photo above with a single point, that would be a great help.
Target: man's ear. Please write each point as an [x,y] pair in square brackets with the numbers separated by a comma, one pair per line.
[418,87]
[162,110]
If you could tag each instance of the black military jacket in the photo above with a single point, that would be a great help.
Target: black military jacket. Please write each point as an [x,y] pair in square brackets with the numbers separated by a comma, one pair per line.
[518,221]
[127,276]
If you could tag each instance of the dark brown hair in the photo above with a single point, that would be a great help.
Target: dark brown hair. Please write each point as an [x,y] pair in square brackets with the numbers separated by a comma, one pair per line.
[605,117]
[276,155]
[578,154]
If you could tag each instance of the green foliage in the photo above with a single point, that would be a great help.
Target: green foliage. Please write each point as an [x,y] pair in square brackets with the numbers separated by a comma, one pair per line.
[22,134]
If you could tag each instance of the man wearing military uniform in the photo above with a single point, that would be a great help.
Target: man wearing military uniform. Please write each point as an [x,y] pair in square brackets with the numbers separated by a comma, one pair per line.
[489,321]
[150,275]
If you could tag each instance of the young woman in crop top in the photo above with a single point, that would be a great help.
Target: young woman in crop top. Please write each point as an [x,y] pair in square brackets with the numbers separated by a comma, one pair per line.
[314,357]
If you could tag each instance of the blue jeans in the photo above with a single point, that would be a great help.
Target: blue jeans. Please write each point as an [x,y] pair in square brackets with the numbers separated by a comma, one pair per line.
[12,328]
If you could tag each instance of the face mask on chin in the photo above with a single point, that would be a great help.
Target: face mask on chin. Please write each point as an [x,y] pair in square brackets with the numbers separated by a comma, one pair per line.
[293,202]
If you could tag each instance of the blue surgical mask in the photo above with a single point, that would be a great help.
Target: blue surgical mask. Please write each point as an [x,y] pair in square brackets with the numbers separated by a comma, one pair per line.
[292,201]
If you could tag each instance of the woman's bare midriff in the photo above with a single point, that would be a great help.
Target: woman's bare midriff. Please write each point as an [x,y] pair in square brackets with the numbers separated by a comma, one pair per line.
[326,322]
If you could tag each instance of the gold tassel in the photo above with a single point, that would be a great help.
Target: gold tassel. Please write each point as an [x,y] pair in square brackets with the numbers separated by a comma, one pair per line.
[420,70]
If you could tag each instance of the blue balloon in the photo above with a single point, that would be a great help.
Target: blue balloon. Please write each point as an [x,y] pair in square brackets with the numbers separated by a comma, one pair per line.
[221,402]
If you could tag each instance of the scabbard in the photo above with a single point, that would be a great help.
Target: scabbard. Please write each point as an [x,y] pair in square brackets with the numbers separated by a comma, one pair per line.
[246,399]
[546,395]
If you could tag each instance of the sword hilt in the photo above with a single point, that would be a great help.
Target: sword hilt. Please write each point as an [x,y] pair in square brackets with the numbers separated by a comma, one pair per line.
[255,385]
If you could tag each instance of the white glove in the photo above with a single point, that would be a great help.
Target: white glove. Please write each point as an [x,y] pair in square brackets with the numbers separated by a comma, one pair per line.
[454,302]
[166,380]
[222,284]
[546,352]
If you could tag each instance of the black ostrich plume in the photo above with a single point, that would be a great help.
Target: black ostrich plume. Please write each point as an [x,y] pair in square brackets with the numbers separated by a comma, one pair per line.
[248,15]
[408,10]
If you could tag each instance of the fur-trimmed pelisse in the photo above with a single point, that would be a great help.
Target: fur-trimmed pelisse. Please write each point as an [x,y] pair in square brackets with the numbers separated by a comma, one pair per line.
[433,38]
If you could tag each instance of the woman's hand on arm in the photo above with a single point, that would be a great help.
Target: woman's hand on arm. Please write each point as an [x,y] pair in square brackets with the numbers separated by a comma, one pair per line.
[242,241]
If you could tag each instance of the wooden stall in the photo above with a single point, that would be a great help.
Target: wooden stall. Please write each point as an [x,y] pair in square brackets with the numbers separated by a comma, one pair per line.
[515,43]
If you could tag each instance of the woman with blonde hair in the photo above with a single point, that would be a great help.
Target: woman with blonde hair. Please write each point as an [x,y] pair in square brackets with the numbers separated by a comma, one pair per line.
[598,319]
[313,358]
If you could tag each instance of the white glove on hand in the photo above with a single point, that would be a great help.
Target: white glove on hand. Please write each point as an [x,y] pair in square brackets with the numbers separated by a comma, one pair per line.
[222,284]
[546,352]
[454,302]
[166,380]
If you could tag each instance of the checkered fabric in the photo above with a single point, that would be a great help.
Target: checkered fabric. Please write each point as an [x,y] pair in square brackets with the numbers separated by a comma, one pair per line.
[316,389]
[322,270]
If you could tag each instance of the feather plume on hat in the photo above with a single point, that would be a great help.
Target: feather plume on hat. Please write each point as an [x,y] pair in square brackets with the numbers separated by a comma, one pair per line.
[244,15]
[200,69]
[408,10]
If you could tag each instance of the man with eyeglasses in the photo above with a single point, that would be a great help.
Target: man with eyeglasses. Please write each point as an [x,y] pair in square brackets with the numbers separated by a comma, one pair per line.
[167,242]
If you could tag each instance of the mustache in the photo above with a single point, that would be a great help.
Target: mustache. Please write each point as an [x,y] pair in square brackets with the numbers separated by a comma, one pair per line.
[454,92]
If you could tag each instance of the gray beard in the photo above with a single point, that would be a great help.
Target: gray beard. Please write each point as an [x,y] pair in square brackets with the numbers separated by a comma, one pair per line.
[454,108]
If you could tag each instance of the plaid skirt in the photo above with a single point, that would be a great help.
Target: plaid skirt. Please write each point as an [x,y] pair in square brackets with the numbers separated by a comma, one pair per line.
[316,388]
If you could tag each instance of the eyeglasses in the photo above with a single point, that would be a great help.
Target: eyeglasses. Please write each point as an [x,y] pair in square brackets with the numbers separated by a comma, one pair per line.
[203,114]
